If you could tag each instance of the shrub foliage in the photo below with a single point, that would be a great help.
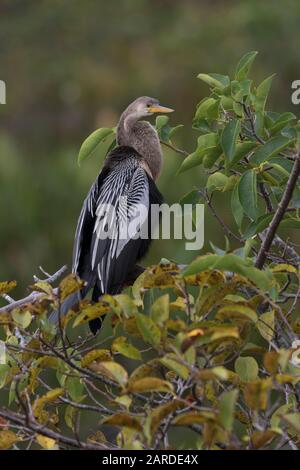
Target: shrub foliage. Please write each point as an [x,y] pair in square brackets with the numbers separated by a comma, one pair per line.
[210,350]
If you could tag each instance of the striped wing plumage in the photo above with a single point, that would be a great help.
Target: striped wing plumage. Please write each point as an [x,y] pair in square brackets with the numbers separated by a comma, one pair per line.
[112,206]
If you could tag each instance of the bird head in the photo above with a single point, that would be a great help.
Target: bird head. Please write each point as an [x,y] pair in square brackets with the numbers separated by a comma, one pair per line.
[145,106]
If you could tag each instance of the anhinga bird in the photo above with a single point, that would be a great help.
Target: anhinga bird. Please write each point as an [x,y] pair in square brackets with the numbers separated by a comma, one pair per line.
[130,170]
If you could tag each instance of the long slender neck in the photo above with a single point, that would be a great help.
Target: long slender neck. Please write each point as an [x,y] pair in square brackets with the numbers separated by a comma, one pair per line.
[143,138]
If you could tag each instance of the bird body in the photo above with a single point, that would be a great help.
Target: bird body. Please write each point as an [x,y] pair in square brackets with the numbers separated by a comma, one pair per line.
[124,189]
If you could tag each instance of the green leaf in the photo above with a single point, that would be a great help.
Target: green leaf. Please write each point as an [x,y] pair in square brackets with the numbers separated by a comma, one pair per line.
[257,226]
[246,368]
[161,121]
[92,143]
[236,206]
[150,332]
[75,388]
[293,420]
[122,346]
[244,65]
[206,142]
[191,197]
[22,318]
[227,407]
[230,262]
[281,122]
[242,149]
[290,223]
[211,156]
[228,139]
[270,149]
[160,309]
[203,108]
[173,363]
[247,190]
[4,369]
[237,310]
[262,92]
[266,325]
[215,80]
[216,181]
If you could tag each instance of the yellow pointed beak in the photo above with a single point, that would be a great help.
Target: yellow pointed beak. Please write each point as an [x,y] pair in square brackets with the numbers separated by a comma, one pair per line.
[160,109]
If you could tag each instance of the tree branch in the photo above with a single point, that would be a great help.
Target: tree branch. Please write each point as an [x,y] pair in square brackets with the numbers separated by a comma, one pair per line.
[34,295]
[282,206]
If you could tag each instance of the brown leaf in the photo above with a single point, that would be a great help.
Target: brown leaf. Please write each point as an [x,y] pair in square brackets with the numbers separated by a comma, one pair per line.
[159,413]
[193,417]
[124,420]
[150,384]
[256,393]
[261,438]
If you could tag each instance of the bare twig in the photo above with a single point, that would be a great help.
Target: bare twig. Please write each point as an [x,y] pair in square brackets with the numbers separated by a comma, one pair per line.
[279,213]
[34,296]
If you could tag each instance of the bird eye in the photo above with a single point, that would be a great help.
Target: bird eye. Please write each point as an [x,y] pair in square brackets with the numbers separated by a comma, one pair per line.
[148,105]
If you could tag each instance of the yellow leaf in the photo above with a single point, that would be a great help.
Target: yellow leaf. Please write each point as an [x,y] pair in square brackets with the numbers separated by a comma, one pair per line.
[97,437]
[215,373]
[28,355]
[287,268]
[176,325]
[161,276]
[237,311]
[69,285]
[21,318]
[7,286]
[37,366]
[7,439]
[149,330]
[91,312]
[131,328]
[42,286]
[178,304]
[138,288]
[150,384]
[49,397]
[128,306]
[124,400]
[46,442]
[266,325]
[94,355]
[160,309]
[208,278]
[114,371]
[191,338]
[145,370]
[256,393]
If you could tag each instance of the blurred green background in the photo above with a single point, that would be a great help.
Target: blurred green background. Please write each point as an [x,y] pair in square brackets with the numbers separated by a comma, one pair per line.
[73,66]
